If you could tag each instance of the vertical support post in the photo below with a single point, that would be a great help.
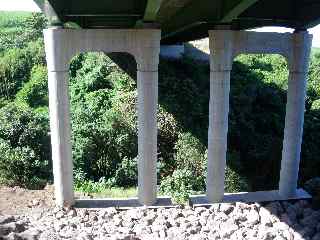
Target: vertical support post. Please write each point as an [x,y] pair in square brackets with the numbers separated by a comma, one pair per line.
[221,56]
[298,69]
[59,107]
[147,78]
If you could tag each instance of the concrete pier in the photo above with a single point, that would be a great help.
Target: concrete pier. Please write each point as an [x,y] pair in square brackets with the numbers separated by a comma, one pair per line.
[63,44]
[298,70]
[220,68]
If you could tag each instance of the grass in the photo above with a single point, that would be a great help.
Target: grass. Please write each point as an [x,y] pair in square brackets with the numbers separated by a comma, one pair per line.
[115,192]
[12,19]
[104,189]
[315,50]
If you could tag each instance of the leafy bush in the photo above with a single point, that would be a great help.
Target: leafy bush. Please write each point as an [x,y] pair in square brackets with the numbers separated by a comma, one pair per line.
[26,132]
[102,135]
[34,25]
[82,184]
[15,66]
[314,75]
[29,28]
[21,166]
[127,173]
[35,92]
[190,154]
[234,182]
[35,51]
[315,105]
[181,184]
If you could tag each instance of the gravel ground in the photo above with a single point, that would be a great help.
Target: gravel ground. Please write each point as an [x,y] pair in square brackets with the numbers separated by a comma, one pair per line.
[275,220]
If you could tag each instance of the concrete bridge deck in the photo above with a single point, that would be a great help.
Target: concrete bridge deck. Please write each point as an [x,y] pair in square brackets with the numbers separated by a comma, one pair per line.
[184,20]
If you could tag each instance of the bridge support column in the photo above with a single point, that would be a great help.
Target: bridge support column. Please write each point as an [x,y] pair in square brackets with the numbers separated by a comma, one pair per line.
[298,69]
[220,67]
[147,79]
[59,107]
[224,45]
[61,45]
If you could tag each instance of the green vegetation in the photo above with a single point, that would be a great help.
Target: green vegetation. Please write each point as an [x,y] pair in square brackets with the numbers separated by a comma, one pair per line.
[103,114]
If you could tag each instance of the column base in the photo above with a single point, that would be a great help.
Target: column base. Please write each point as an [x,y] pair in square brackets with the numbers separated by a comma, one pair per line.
[195,200]
[259,196]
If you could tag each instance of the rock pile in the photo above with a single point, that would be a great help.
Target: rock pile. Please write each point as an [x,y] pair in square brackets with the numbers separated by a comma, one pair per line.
[275,220]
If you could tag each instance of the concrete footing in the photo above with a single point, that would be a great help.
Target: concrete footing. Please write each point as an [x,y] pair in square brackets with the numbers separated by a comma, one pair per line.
[195,200]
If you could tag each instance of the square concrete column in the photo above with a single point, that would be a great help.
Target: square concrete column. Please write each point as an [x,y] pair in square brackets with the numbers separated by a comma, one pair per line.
[59,107]
[147,80]
[298,69]
[221,54]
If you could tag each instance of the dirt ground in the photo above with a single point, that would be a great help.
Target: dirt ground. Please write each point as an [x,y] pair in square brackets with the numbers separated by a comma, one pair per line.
[17,201]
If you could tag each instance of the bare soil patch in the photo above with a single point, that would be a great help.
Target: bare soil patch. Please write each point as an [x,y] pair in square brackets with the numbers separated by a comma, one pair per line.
[20,201]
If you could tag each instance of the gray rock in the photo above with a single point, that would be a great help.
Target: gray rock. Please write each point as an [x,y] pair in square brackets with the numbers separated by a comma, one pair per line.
[7,228]
[214,207]
[307,231]
[316,236]
[200,210]
[285,218]
[253,217]
[265,217]
[280,226]
[274,208]
[312,219]
[227,208]
[60,214]
[72,213]
[6,219]
[30,234]
[228,228]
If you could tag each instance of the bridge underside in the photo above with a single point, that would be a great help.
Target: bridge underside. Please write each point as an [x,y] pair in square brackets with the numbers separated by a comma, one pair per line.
[184,20]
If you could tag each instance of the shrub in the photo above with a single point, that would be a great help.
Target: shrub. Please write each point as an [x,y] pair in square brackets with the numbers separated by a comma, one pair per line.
[21,166]
[168,128]
[181,184]
[315,105]
[101,139]
[314,75]
[35,92]
[190,154]
[28,28]
[33,26]
[35,51]
[234,182]
[127,173]
[15,66]
[23,128]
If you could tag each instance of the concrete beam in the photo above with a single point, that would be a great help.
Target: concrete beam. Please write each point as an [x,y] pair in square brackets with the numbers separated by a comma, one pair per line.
[237,10]
[152,8]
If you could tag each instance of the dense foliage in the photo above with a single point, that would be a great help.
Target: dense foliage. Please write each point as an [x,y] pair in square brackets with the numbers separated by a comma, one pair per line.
[103,114]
